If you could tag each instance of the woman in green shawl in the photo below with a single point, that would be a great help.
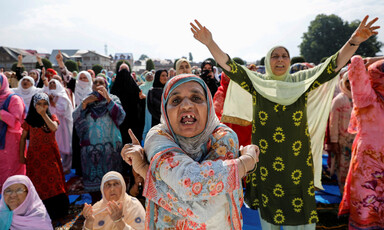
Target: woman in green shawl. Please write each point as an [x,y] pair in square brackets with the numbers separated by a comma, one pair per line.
[288,118]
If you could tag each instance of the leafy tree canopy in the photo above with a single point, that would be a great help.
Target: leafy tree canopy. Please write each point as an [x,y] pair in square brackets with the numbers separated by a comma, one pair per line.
[327,34]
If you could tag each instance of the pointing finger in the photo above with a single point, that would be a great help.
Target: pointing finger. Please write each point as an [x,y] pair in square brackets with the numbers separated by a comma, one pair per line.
[135,141]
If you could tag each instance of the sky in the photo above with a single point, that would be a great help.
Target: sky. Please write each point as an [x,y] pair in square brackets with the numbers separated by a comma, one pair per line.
[160,28]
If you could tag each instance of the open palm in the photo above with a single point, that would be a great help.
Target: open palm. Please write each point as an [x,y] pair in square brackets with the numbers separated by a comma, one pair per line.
[201,33]
[365,30]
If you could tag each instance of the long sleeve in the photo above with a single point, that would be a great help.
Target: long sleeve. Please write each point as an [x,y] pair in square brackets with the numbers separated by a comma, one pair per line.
[116,111]
[15,115]
[361,88]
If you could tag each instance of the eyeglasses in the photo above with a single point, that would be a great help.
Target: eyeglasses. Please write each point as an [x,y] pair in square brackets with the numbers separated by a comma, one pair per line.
[9,192]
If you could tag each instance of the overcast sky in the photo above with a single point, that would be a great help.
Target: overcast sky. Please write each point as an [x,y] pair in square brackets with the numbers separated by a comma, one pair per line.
[160,29]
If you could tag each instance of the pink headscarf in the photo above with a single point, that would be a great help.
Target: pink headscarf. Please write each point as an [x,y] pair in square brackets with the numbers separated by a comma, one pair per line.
[4,89]
[31,214]
[124,66]
[376,73]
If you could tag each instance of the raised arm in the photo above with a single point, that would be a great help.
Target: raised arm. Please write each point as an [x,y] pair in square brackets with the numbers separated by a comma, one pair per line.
[361,34]
[203,35]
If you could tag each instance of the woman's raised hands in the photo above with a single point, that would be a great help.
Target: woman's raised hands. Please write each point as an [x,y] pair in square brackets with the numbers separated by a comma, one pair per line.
[201,33]
[364,31]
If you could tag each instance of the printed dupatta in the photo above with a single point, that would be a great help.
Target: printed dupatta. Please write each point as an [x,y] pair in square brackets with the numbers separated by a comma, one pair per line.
[185,189]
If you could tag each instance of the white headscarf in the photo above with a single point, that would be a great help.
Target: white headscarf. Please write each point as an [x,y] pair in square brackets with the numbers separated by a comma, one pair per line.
[82,88]
[60,92]
[26,94]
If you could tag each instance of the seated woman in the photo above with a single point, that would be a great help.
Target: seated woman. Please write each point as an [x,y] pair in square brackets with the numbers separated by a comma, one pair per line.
[117,210]
[21,206]
[194,176]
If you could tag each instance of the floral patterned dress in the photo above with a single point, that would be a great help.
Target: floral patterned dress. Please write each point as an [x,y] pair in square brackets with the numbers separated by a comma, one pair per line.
[44,166]
[363,196]
[283,186]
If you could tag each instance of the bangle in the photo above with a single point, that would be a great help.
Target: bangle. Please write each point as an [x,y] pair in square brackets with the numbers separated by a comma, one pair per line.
[85,228]
[353,44]
[254,160]
[245,168]
[115,221]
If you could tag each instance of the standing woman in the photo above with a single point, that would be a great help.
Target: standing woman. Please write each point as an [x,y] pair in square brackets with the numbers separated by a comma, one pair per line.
[340,139]
[144,89]
[193,180]
[26,89]
[43,162]
[283,188]
[154,95]
[126,89]
[61,105]
[363,191]
[83,87]
[97,122]
[12,113]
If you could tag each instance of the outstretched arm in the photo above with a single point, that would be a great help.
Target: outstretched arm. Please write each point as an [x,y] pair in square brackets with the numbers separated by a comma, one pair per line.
[203,35]
[361,34]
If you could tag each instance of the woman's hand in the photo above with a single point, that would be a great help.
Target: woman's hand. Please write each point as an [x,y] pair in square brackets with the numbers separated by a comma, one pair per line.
[20,60]
[38,58]
[251,152]
[91,98]
[201,33]
[88,215]
[42,110]
[133,154]
[115,210]
[103,92]
[364,31]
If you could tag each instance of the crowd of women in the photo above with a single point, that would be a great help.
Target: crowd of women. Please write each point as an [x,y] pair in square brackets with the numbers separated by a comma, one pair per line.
[164,135]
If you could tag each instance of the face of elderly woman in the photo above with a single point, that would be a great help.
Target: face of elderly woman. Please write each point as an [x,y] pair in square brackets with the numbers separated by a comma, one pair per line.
[83,77]
[25,84]
[187,109]
[280,61]
[112,190]
[97,82]
[15,195]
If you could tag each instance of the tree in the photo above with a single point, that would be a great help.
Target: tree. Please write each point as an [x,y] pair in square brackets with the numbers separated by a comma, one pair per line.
[149,65]
[143,57]
[298,59]
[327,34]
[14,65]
[46,63]
[239,61]
[71,65]
[118,64]
[190,57]
[97,68]
[174,63]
